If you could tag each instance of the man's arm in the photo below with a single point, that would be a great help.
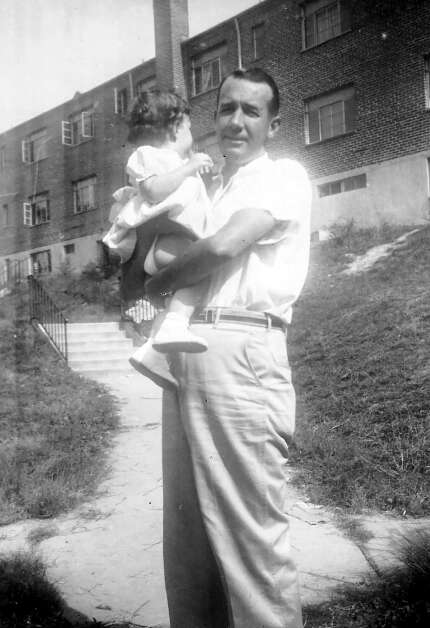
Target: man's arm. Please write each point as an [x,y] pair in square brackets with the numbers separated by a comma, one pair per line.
[205,256]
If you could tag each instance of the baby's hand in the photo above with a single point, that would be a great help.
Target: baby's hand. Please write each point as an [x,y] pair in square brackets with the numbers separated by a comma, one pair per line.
[200,162]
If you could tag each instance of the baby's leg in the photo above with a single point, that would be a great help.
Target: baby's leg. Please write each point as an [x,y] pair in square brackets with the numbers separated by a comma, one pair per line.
[174,334]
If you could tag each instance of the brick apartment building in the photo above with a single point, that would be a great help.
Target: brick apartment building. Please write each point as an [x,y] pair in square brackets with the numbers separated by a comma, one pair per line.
[354,78]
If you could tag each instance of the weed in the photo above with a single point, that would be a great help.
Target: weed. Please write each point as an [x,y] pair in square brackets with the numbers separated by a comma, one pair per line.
[398,598]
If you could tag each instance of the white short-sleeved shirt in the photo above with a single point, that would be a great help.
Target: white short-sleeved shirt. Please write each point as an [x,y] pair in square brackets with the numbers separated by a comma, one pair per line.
[269,276]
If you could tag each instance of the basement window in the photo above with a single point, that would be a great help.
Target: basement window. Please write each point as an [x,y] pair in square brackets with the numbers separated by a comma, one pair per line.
[342,185]
[69,249]
[41,262]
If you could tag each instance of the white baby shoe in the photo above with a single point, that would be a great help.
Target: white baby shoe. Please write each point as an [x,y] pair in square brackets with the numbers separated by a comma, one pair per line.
[153,365]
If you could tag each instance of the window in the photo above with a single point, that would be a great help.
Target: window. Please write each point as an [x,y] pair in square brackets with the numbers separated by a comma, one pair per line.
[323,20]
[330,115]
[121,101]
[78,128]
[2,158]
[5,215]
[84,195]
[145,85]
[69,249]
[34,147]
[427,81]
[343,185]
[207,70]
[36,211]
[41,262]
[257,41]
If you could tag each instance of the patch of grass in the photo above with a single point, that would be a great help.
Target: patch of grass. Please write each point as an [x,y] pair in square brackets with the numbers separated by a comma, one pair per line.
[55,426]
[399,598]
[360,354]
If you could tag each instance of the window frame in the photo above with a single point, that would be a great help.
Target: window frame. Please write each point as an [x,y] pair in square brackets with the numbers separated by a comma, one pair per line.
[5,218]
[145,85]
[201,63]
[2,158]
[120,101]
[343,183]
[34,261]
[29,153]
[325,104]
[426,59]
[80,185]
[78,128]
[32,210]
[311,15]
[256,28]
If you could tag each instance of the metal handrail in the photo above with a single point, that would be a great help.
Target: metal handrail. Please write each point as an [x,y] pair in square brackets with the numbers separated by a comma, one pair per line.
[138,310]
[48,317]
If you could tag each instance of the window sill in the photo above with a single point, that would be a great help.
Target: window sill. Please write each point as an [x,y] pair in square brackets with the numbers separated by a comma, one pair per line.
[40,224]
[84,211]
[329,139]
[303,49]
[212,89]
[84,140]
[30,163]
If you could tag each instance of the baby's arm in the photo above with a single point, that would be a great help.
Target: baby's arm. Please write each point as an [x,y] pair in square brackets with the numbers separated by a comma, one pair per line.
[158,187]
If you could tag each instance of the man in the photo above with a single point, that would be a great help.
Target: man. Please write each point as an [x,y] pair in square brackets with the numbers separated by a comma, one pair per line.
[226,546]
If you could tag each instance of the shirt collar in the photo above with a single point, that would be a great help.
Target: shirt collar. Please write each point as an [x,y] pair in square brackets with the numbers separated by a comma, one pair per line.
[249,166]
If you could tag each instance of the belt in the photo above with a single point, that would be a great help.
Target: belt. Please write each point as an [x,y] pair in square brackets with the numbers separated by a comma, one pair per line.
[215,315]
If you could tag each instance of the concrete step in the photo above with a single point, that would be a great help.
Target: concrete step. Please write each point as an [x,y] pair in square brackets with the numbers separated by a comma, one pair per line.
[94,327]
[105,364]
[104,354]
[100,344]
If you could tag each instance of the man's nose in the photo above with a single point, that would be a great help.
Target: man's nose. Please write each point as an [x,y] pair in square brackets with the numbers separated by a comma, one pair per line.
[236,119]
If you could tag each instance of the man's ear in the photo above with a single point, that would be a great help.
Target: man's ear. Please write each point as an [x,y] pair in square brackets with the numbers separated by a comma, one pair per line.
[274,126]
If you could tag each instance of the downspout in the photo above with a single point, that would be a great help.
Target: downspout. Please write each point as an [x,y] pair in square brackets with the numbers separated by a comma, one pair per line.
[130,80]
[239,44]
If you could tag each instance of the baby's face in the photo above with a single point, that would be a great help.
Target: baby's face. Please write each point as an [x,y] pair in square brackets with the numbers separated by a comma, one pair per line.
[184,139]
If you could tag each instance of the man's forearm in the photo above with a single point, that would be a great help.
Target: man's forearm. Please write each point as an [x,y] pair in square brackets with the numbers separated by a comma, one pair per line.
[199,261]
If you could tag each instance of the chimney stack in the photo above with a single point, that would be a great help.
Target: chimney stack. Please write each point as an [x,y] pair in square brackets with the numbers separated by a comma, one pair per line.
[171,28]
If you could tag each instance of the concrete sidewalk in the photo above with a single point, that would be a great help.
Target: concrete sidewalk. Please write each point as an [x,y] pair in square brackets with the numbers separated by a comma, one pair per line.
[106,557]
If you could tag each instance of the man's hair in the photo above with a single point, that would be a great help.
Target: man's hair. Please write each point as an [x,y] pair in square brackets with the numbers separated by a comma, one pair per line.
[153,116]
[256,75]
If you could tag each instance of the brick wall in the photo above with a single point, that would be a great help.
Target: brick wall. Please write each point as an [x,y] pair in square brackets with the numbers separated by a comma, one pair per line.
[104,156]
[386,70]
[382,56]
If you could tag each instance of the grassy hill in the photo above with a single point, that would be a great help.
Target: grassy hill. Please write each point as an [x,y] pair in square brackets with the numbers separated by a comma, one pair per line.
[55,426]
[360,351]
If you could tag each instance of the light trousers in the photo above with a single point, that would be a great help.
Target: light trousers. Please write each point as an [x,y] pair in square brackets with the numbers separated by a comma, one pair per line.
[227,550]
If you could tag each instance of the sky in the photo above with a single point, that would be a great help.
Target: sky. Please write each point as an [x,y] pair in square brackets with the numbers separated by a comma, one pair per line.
[52,48]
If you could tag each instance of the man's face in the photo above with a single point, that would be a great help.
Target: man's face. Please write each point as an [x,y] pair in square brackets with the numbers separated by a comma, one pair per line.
[243,121]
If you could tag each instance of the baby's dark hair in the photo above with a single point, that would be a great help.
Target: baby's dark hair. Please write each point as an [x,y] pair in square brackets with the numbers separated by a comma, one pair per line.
[153,116]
